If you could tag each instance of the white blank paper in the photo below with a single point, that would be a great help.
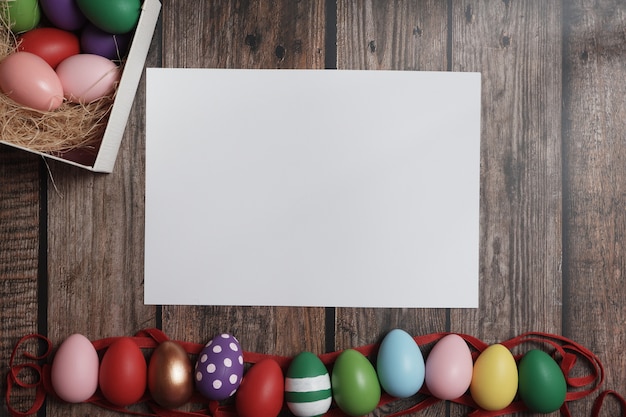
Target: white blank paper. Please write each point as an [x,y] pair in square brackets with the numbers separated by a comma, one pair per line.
[312,188]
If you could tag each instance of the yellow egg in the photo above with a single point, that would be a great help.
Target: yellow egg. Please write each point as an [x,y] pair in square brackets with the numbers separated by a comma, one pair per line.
[494,379]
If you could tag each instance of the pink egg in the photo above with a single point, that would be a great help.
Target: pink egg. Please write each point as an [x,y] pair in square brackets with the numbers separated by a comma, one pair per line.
[30,81]
[74,370]
[449,368]
[87,77]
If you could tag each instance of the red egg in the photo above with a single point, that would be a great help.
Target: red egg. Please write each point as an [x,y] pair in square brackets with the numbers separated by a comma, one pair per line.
[261,391]
[123,373]
[51,44]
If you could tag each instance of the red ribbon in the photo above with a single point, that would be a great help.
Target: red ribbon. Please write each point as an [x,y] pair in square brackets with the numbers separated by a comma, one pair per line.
[565,351]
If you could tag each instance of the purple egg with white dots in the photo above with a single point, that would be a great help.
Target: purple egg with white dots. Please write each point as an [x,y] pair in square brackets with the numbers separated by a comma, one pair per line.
[219,367]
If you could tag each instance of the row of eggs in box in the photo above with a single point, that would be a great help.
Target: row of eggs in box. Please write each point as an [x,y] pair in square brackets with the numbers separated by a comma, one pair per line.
[355,384]
[75,58]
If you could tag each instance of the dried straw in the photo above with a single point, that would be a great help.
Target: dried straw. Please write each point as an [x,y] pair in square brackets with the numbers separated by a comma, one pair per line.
[70,127]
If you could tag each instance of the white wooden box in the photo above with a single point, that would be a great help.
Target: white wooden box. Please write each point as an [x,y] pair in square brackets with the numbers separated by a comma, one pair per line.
[127,89]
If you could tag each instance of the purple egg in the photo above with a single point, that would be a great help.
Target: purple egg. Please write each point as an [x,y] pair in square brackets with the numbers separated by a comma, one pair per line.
[63,14]
[219,368]
[98,42]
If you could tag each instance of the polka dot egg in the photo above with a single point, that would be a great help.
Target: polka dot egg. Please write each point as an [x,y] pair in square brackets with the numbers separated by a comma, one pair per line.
[219,368]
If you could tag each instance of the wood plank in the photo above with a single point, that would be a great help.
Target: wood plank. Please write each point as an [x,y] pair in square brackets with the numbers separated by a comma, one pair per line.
[18,304]
[398,35]
[517,48]
[95,245]
[394,35]
[19,257]
[232,34]
[19,214]
[595,190]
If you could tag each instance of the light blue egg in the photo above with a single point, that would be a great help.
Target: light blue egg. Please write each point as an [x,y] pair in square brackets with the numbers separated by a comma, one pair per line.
[400,364]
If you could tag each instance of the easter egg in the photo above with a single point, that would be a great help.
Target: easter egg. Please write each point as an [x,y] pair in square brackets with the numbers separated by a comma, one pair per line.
[307,386]
[449,368]
[170,376]
[542,385]
[219,367]
[51,44]
[30,81]
[64,14]
[98,42]
[400,364]
[355,385]
[123,372]
[261,391]
[22,15]
[87,77]
[113,16]
[494,380]
[74,372]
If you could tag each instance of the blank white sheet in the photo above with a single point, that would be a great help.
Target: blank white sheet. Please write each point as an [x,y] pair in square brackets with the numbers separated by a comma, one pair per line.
[312,188]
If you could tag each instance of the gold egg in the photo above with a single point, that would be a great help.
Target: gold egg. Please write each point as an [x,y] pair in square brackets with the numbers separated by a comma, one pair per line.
[170,377]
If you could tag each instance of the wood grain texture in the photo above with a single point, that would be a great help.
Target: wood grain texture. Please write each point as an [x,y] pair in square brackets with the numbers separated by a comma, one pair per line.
[19,214]
[233,34]
[244,34]
[517,48]
[595,165]
[394,35]
[19,257]
[18,317]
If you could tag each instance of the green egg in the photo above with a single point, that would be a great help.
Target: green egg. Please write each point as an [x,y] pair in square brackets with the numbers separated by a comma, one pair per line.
[23,15]
[542,385]
[112,16]
[356,389]
[307,386]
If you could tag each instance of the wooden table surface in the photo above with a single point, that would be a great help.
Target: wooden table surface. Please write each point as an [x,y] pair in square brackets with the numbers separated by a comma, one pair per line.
[553,181]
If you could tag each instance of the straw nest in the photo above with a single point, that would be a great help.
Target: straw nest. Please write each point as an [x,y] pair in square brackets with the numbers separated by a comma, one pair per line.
[70,127]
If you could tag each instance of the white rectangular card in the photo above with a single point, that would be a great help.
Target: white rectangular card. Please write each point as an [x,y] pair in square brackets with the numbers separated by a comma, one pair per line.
[312,188]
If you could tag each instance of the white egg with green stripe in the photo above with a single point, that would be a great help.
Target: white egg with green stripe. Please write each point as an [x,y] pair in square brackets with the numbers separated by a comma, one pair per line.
[307,386]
